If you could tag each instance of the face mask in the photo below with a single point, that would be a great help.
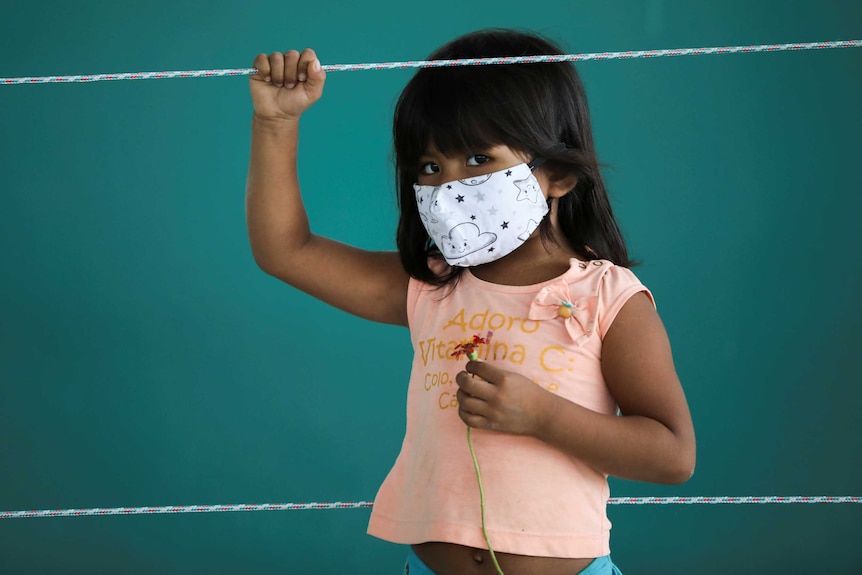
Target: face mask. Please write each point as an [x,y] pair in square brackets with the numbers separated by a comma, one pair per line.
[483,218]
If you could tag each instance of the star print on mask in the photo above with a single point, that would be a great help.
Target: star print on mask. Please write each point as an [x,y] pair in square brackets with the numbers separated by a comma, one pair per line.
[531,227]
[528,190]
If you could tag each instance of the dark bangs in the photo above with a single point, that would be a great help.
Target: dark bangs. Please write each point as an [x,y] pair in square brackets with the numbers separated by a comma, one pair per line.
[455,110]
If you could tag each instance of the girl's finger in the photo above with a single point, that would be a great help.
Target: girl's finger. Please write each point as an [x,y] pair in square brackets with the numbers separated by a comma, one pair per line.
[276,65]
[469,404]
[291,62]
[484,370]
[261,63]
[474,386]
[475,421]
[315,77]
[305,59]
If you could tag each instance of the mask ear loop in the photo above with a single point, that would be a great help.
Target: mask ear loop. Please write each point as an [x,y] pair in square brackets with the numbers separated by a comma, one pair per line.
[539,160]
[536,162]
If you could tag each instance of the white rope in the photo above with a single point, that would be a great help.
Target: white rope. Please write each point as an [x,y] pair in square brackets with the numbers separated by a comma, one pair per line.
[723,500]
[628,55]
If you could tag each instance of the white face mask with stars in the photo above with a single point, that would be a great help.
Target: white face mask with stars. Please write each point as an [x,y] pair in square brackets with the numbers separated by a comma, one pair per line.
[482,218]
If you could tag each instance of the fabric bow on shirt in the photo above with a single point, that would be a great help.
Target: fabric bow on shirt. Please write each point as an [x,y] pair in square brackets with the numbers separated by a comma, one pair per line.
[553,302]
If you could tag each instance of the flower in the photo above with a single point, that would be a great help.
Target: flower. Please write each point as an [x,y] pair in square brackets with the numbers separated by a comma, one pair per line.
[468,346]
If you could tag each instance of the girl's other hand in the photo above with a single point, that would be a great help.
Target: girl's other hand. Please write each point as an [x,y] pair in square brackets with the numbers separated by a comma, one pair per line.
[500,400]
[286,85]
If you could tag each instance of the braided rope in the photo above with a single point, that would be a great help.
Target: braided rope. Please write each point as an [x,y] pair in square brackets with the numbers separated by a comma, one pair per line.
[446,63]
[745,500]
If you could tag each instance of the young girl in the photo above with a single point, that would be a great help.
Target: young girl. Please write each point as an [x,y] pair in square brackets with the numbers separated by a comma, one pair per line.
[505,227]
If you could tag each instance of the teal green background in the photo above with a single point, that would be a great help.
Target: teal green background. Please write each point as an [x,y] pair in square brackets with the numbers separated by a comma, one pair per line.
[145,360]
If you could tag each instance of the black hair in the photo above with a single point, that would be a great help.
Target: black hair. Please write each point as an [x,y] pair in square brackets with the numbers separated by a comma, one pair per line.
[531,108]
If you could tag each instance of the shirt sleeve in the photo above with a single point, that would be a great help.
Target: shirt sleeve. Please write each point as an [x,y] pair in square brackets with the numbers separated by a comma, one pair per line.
[617,285]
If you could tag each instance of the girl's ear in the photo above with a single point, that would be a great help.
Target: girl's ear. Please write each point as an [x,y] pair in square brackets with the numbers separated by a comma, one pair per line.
[561,187]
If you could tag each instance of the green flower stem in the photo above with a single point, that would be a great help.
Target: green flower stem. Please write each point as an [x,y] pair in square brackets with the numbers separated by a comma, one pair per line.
[482,500]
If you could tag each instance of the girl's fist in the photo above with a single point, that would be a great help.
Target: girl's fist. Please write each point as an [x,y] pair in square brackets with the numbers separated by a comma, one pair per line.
[286,84]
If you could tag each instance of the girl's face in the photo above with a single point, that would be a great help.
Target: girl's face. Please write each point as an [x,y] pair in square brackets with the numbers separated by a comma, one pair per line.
[435,168]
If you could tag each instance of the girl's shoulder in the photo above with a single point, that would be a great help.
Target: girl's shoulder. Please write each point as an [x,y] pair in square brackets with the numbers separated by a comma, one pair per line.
[596,274]
[603,286]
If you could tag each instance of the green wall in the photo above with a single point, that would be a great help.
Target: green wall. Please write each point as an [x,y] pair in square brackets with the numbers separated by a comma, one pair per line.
[145,360]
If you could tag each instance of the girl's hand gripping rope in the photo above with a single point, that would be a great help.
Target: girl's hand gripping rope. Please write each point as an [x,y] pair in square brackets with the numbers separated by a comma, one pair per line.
[286,85]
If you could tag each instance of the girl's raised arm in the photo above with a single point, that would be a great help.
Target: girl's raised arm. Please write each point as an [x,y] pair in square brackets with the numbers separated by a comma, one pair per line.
[372,285]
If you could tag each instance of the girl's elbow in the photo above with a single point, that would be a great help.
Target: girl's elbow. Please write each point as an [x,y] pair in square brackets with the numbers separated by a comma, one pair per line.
[263,262]
[678,476]
[680,465]
[682,468]
[266,259]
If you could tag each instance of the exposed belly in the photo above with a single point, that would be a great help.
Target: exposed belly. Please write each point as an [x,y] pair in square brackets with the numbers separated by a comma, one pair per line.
[451,559]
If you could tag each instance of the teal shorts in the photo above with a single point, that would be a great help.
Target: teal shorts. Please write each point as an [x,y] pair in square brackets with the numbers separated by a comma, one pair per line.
[600,566]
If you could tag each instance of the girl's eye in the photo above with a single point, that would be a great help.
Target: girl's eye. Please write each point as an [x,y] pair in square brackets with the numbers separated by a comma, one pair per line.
[477,160]
[429,168]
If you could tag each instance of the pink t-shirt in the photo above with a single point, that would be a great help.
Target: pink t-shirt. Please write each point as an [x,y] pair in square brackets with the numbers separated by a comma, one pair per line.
[538,500]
